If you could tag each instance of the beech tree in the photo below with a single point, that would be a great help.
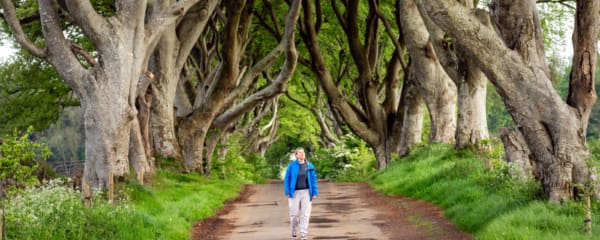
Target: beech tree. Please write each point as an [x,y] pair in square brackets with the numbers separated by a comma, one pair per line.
[169,59]
[435,86]
[369,121]
[260,137]
[513,60]
[217,103]
[107,82]
[471,83]
[387,118]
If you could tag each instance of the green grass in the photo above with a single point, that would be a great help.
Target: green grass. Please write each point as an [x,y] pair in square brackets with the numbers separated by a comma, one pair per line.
[173,202]
[164,209]
[488,204]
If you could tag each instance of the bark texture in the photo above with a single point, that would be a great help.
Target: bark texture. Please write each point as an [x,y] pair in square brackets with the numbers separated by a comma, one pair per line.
[436,88]
[582,94]
[172,51]
[514,63]
[471,83]
[472,118]
[517,154]
[412,110]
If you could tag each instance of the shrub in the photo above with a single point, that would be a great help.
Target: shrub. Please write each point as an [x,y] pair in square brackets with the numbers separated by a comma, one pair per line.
[238,164]
[19,160]
[351,161]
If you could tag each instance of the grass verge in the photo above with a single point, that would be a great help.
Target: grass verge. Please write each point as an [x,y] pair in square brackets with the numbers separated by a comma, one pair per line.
[487,203]
[164,209]
[174,201]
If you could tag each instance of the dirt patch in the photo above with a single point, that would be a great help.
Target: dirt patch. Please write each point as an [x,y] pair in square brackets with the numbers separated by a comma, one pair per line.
[407,218]
[213,227]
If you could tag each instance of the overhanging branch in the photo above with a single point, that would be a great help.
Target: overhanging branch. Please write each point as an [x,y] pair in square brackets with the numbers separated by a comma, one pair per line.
[395,40]
[165,18]
[10,16]
[93,25]
[276,87]
[561,2]
[83,53]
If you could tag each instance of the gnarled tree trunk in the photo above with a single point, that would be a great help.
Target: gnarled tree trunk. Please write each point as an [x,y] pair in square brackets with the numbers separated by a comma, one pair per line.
[192,131]
[517,154]
[412,106]
[434,85]
[472,120]
[108,88]
[471,126]
[172,51]
[515,64]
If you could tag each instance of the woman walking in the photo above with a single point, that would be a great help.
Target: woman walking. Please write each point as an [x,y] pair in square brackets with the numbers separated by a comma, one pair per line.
[300,186]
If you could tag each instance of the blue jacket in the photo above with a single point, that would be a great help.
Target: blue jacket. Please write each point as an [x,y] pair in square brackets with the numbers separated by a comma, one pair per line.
[291,175]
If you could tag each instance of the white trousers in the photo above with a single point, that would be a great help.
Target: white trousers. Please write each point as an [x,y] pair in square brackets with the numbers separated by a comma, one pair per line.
[300,206]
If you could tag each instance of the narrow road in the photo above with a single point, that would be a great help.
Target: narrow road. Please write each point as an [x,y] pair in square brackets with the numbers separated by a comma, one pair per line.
[341,211]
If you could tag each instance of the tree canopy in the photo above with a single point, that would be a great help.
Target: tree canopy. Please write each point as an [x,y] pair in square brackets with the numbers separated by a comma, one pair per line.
[177,78]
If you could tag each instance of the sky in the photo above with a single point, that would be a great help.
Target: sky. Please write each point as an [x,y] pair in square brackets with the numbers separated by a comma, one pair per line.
[6,50]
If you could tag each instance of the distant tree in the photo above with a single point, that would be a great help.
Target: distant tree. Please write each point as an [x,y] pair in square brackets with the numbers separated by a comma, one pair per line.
[313,101]
[66,141]
[360,109]
[220,96]
[498,117]
[593,130]
[31,94]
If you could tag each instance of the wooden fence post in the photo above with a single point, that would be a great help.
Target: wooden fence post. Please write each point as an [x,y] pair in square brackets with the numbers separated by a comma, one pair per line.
[2,222]
[87,195]
[111,186]
[140,177]
[588,214]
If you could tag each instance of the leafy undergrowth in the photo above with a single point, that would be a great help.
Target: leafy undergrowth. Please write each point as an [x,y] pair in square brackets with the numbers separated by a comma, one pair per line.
[164,209]
[487,203]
